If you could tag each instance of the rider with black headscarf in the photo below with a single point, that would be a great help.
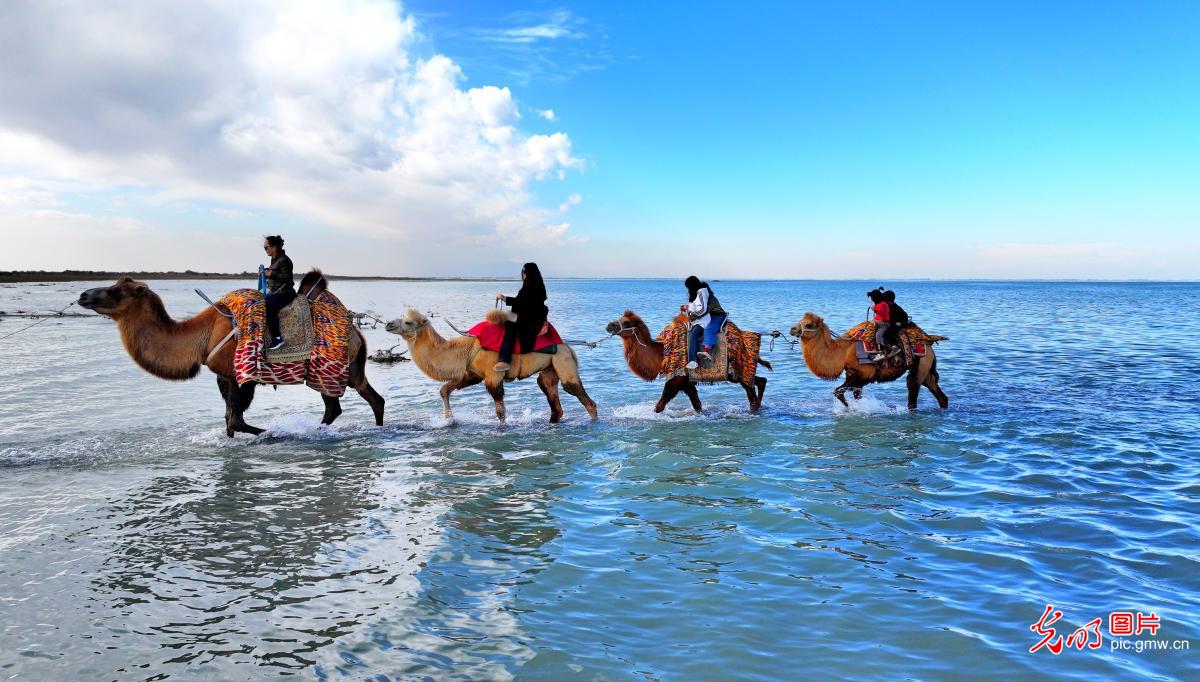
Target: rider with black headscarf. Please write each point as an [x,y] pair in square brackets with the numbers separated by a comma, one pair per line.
[530,307]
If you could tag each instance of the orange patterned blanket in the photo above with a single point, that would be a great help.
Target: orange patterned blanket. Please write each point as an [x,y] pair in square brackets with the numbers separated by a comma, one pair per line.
[742,348]
[326,369]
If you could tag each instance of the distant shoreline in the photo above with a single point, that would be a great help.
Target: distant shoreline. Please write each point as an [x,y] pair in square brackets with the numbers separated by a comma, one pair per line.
[27,276]
[23,276]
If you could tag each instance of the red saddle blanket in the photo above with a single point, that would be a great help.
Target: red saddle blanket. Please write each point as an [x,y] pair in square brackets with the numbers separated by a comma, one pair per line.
[491,335]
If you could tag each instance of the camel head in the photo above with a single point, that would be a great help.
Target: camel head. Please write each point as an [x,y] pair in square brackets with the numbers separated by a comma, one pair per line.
[625,325]
[313,284]
[810,325]
[409,325]
[119,299]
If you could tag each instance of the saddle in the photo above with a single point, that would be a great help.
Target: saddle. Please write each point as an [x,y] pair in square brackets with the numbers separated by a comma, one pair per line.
[734,357]
[490,333]
[296,326]
[717,367]
[317,333]
[914,343]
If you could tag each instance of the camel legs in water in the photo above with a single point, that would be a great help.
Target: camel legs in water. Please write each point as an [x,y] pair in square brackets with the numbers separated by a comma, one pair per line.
[927,377]
[333,408]
[548,382]
[358,381]
[452,386]
[689,389]
[754,392]
[237,400]
[495,386]
[575,388]
[672,388]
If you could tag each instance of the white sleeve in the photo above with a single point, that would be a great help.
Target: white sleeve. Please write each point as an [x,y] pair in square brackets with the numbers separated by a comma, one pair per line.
[699,306]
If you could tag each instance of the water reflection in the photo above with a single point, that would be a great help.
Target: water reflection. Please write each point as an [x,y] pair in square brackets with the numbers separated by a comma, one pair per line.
[241,562]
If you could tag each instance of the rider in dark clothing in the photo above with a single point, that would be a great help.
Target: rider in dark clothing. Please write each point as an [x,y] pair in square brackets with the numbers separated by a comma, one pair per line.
[530,307]
[281,286]
[898,318]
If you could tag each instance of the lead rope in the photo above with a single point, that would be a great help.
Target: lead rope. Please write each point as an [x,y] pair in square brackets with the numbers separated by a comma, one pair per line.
[57,313]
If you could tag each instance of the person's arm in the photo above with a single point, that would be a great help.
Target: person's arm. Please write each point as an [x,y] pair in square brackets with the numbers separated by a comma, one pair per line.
[698,307]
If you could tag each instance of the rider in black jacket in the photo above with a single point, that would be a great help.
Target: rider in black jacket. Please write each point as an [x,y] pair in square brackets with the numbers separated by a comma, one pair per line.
[530,307]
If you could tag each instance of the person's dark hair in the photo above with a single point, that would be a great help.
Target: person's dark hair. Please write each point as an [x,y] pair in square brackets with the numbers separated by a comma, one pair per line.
[889,296]
[694,285]
[533,287]
[275,240]
[876,295]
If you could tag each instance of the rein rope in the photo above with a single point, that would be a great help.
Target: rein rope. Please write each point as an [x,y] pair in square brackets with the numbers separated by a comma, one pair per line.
[57,313]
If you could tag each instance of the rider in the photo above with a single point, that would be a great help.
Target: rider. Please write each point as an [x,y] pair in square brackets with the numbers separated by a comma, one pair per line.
[897,315]
[706,316]
[281,287]
[883,321]
[530,306]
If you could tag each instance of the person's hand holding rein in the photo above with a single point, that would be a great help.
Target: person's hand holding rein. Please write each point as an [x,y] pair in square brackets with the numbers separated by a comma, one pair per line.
[499,297]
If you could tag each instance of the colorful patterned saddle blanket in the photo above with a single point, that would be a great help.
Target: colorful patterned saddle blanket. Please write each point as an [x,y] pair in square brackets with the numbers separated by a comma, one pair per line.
[916,344]
[735,356]
[491,335]
[322,361]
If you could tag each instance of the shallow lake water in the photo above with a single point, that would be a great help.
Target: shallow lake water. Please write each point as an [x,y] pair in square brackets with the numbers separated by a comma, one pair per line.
[138,542]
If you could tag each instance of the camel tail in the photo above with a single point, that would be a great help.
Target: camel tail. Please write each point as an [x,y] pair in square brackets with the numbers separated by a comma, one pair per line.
[766,364]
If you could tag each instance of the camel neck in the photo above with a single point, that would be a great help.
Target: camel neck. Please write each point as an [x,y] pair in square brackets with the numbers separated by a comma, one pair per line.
[823,354]
[163,347]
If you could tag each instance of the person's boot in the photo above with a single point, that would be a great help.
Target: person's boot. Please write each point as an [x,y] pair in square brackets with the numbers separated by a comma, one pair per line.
[277,343]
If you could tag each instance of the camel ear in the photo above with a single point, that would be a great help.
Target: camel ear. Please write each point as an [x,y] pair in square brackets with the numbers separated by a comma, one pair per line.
[139,289]
[124,279]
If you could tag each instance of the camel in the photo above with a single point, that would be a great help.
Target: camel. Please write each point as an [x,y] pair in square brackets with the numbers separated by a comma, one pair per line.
[462,362]
[644,356]
[828,357]
[176,350]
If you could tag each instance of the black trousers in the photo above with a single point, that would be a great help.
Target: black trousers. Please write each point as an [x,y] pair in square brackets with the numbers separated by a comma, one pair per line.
[514,331]
[275,302]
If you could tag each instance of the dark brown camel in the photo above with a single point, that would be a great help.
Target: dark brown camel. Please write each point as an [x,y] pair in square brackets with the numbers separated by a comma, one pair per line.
[645,357]
[176,350]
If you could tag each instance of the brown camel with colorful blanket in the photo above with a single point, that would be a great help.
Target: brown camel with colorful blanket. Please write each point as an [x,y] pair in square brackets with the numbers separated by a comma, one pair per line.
[828,357]
[176,350]
[665,356]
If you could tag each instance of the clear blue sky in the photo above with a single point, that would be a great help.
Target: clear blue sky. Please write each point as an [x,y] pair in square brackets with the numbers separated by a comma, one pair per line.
[782,139]
[1039,123]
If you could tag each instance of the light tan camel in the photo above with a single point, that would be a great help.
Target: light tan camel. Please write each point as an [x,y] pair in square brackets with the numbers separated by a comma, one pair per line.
[176,350]
[828,357]
[462,362]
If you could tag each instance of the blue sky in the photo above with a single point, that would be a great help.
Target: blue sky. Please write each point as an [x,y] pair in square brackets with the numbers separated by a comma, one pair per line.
[739,140]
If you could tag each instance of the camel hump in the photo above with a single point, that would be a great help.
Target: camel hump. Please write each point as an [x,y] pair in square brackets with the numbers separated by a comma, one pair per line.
[498,316]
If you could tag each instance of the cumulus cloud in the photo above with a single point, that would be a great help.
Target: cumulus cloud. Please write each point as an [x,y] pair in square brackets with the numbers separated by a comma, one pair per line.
[320,110]
[547,114]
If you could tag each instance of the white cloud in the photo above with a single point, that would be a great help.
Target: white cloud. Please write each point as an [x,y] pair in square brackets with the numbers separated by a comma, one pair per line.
[573,200]
[317,110]
[547,114]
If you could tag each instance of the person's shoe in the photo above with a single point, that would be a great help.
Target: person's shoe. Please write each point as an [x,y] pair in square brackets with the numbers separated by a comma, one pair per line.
[878,357]
[691,365]
[705,354]
[894,351]
[277,343]
[502,367]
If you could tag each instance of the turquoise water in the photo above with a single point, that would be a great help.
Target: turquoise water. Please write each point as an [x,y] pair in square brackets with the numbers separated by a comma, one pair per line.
[137,542]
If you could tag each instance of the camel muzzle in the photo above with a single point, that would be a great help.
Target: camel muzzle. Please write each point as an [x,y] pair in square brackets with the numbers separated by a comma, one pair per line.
[613,327]
[91,298]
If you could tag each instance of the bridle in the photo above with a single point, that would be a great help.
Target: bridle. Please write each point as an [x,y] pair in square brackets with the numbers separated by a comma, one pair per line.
[627,326]
[414,330]
[314,286]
